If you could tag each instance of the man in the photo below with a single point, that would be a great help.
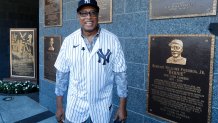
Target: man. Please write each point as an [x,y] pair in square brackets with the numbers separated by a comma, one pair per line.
[176,51]
[51,43]
[89,61]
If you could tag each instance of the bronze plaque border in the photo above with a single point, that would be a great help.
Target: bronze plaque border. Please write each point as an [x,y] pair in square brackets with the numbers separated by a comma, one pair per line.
[59,42]
[108,11]
[214,9]
[60,2]
[210,72]
[34,51]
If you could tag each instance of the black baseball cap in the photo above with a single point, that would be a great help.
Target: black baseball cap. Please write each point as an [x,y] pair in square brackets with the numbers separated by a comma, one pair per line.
[83,3]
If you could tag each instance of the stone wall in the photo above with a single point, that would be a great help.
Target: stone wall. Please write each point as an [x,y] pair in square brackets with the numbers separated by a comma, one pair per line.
[132,25]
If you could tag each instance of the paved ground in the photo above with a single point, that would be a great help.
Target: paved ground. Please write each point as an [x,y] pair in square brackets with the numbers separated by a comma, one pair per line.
[23,109]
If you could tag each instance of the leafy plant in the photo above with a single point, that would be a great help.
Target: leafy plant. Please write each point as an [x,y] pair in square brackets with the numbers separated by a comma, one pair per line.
[18,87]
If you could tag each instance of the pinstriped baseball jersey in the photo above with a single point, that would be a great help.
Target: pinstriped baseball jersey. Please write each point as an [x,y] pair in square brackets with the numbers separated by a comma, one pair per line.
[91,75]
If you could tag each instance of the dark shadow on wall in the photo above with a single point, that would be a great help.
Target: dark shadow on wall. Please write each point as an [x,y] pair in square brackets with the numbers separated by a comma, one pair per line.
[14,14]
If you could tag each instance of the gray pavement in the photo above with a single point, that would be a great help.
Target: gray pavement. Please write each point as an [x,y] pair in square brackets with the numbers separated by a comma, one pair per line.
[22,109]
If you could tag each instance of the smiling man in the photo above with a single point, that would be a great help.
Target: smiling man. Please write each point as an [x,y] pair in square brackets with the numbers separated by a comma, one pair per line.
[90,61]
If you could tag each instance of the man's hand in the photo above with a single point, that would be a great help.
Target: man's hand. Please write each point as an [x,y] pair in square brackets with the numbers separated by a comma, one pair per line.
[121,114]
[60,115]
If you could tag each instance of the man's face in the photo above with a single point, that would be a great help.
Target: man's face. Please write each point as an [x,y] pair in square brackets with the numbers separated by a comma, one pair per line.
[88,17]
[176,50]
[51,41]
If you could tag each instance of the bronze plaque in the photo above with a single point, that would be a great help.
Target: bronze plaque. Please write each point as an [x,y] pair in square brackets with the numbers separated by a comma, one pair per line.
[105,12]
[53,13]
[161,9]
[23,49]
[180,73]
[52,46]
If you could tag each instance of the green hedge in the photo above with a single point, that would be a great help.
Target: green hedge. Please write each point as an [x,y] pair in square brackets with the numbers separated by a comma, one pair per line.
[18,87]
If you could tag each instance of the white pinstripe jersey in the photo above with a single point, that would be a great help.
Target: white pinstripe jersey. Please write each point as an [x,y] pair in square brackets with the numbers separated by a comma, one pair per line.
[90,82]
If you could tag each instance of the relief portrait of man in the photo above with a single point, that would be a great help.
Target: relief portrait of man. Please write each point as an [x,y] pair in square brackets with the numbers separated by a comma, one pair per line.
[51,43]
[176,47]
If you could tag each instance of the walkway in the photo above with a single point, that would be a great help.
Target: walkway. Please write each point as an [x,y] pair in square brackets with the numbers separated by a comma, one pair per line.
[23,109]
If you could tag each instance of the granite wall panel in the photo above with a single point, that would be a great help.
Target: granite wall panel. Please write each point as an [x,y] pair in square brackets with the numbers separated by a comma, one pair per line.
[132,25]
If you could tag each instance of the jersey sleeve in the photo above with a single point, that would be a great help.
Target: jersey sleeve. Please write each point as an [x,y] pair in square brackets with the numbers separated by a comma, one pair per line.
[61,63]
[119,64]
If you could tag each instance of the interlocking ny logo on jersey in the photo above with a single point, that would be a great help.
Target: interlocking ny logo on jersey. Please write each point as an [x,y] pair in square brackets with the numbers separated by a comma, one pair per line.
[103,56]
[87,1]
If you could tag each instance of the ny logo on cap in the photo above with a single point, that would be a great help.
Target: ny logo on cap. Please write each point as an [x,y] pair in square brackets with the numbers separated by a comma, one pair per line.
[87,1]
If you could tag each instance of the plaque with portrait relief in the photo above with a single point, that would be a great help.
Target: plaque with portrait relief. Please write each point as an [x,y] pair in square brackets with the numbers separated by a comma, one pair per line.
[23,52]
[52,46]
[105,12]
[53,13]
[162,9]
[180,73]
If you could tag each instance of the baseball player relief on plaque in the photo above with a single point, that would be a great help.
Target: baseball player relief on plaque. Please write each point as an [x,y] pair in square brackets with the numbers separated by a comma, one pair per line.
[23,52]
[52,46]
[105,15]
[176,47]
[53,13]
[180,73]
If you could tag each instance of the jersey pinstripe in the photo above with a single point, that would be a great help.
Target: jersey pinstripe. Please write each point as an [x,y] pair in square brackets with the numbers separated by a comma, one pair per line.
[91,75]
